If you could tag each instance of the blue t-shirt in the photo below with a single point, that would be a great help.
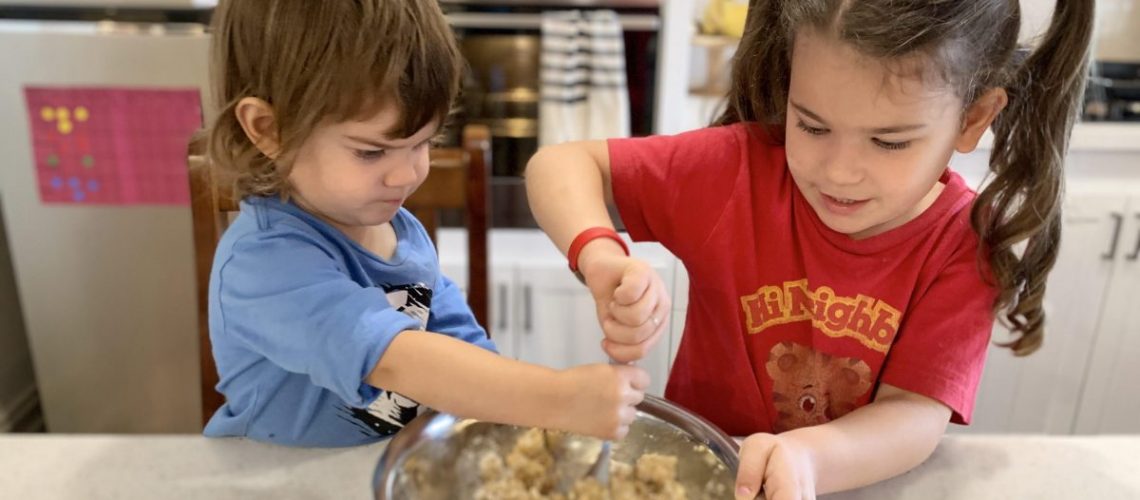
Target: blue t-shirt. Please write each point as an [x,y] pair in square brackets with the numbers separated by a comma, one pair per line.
[300,315]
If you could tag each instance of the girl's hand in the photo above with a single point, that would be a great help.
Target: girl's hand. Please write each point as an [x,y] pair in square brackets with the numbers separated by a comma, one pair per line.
[600,400]
[779,464]
[632,303]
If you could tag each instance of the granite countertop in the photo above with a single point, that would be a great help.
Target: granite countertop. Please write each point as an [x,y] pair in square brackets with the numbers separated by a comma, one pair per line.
[193,467]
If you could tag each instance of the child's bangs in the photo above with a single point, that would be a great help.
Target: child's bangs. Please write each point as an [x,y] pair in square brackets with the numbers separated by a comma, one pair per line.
[421,81]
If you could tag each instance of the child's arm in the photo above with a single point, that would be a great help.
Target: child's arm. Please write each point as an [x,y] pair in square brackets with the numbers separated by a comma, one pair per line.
[568,186]
[451,316]
[888,437]
[596,400]
[463,379]
[282,296]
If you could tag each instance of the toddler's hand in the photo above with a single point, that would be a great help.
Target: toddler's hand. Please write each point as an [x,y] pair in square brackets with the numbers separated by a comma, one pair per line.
[602,399]
[632,303]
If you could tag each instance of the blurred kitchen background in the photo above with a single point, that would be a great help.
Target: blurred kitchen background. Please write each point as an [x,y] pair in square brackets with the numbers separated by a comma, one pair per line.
[98,327]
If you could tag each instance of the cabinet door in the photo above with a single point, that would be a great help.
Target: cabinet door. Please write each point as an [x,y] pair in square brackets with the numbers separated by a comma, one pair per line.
[680,291]
[453,263]
[504,331]
[556,319]
[1111,399]
[539,312]
[1041,393]
[557,324]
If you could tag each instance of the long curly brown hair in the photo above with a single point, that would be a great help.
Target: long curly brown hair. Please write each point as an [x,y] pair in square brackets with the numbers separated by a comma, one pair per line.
[972,46]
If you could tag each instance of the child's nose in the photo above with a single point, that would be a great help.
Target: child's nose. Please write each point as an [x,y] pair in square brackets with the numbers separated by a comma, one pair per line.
[402,175]
[844,172]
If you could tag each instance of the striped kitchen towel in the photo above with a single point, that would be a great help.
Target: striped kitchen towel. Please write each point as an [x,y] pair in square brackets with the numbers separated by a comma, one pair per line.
[584,89]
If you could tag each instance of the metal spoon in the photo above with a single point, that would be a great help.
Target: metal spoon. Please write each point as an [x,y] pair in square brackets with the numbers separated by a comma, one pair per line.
[600,471]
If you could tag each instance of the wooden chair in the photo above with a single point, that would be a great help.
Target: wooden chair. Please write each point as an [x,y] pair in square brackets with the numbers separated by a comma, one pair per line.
[458,180]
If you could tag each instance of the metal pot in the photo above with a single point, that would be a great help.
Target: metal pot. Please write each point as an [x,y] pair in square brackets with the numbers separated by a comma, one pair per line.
[436,455]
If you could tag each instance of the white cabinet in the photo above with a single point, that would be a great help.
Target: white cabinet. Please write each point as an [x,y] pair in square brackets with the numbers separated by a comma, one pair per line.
[1110,403]
[557,320]
[539,312]
[502,279]
[680,291]
[1082,379]
[503,303]
[1040,393]
[558,323]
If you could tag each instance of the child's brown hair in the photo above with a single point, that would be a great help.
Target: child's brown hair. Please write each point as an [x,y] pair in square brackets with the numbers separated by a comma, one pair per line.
[971,45]
[317,61]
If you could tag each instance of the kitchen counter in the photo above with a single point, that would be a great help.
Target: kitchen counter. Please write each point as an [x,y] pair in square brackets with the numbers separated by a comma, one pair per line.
[1099,153]
[979,467]
[193,467]
[126,467]
[1118,137]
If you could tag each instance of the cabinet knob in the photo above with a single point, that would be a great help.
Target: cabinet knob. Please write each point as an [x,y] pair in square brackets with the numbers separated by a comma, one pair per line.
[1135,255]
[502,308]
[1119,224]
[528,318]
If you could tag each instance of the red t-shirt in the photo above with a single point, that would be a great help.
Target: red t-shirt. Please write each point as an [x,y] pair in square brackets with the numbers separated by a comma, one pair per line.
[790,323]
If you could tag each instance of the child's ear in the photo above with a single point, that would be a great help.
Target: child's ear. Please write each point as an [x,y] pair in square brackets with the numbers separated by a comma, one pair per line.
[978,118]
[259,122]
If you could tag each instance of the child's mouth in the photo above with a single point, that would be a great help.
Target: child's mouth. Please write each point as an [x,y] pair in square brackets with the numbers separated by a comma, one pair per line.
[842,206]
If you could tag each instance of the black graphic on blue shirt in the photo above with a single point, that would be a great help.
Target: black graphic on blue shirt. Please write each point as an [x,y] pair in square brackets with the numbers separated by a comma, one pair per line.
[385,416]
[391,412]
[413,300]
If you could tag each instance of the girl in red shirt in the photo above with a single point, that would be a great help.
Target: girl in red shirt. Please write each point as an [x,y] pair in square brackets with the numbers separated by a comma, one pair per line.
[844,281]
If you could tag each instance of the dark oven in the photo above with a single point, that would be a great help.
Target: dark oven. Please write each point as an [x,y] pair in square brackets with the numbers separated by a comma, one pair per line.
[502,43]
[1113,92]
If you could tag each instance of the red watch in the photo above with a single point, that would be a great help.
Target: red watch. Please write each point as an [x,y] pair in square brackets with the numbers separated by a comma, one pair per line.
[585,237]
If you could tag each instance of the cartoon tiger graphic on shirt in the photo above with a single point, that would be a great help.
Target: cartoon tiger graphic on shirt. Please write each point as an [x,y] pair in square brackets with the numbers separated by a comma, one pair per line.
[812,388]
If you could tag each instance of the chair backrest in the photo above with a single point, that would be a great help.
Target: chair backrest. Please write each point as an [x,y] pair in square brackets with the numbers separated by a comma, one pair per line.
[458,180]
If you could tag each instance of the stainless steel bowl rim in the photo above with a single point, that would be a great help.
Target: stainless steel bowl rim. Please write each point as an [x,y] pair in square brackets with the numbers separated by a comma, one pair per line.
[720,444]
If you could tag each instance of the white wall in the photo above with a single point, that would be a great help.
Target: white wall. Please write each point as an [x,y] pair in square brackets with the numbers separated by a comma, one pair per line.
[677,30]
[17,384]
[1035,16]
[1118,30]
[1118,26]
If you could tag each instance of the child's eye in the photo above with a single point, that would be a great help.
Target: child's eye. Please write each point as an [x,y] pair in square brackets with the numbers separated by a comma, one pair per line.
[369,154]
[811,130]
[891,146]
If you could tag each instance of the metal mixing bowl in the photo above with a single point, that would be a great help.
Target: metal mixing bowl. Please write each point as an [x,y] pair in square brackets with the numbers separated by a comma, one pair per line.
[436,456]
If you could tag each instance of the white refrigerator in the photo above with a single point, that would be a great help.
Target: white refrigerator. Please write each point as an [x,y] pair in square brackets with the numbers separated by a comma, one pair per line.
[107,290]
